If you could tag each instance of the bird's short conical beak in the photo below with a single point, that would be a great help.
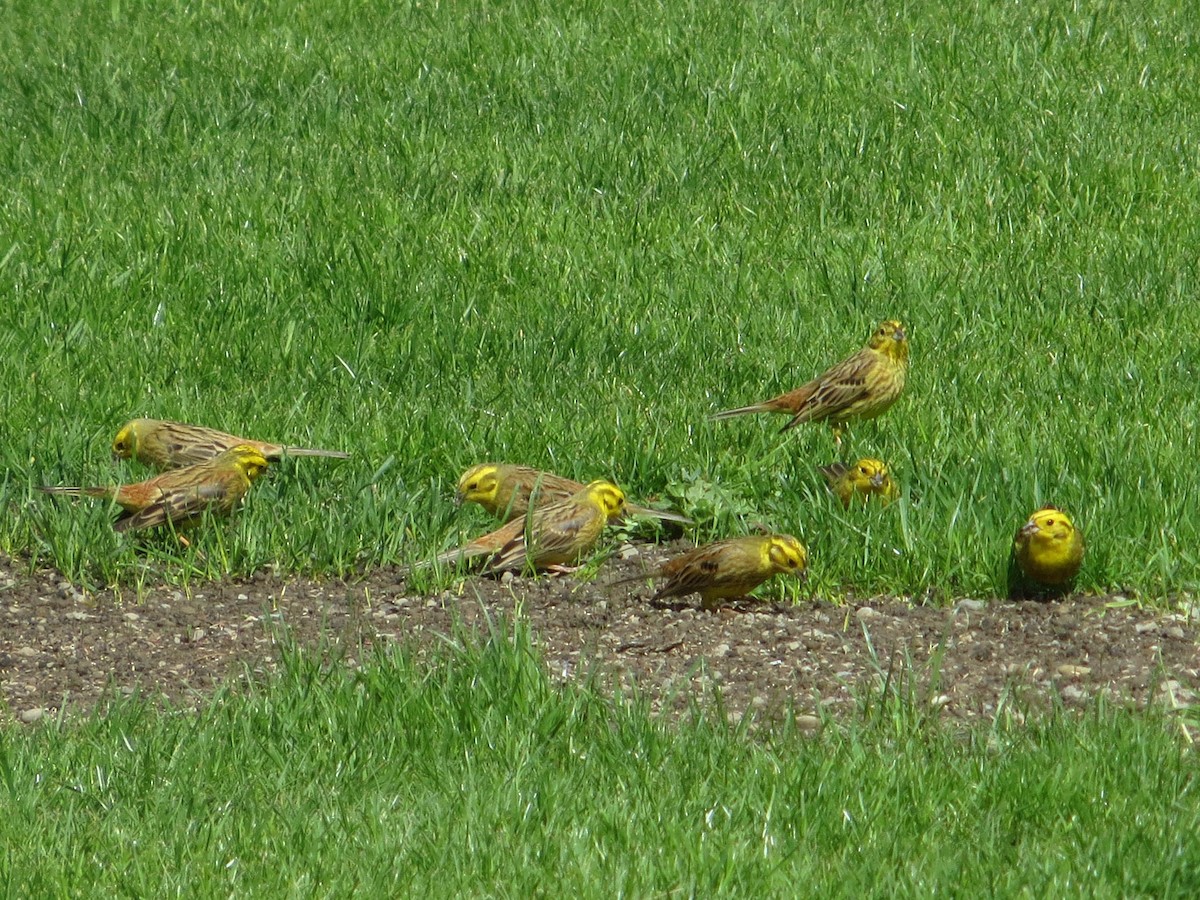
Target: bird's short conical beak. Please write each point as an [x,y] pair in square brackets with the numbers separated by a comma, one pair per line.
[1029,528]
[899,335]
[877,480]
[458,498]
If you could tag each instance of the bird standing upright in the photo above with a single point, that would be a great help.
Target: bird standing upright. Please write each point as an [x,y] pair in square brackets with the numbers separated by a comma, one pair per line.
[1047,554]
[862,386]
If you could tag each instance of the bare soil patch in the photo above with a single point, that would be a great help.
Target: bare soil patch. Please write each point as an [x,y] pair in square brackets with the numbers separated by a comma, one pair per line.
[61,648]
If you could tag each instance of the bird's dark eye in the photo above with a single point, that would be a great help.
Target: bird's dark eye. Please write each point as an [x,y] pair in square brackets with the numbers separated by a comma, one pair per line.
[1049,522]
[863,469]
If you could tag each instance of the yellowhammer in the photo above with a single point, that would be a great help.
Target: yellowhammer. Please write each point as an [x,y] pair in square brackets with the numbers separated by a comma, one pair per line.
[729,568]
[181,495]
[1048,551]
[865,478]
[168,445]
[549,537]
[861,387]
[504,491]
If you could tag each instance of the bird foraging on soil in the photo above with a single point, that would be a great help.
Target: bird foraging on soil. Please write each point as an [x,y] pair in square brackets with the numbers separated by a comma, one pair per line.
[728,569]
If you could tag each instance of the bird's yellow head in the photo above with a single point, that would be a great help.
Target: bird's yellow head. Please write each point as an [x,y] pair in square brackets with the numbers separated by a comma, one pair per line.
[871,476]
[786,554]
[891,339]
[246,459]
[125,444]
[479,484]
[607,496]
[1048,526]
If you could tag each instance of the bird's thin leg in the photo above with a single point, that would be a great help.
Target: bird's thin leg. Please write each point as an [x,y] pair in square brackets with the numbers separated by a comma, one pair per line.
[837,439]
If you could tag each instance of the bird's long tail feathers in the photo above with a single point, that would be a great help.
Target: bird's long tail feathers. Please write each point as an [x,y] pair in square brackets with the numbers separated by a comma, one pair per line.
[742,411]
[76,491]
[648,575]
[665,515]
[309,451]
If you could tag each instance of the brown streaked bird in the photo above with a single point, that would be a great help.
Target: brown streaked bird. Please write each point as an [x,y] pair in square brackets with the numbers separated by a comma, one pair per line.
[862,386]
[728,569]
[866,478]
[504,490]
[169,445]
[181,495]
[548,537]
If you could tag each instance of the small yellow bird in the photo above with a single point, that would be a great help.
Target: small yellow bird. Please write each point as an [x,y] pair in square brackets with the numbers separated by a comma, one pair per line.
[168,445]
[549,537]
[861,387]
[866,478]
[504,490]
[730,568]
[1048,551]
[181,496]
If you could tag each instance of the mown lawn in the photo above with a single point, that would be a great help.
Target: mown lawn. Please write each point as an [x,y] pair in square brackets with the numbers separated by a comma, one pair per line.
[434,234]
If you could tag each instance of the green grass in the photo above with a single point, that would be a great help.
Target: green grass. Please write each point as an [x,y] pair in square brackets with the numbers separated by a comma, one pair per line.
[470,773]
[432,235]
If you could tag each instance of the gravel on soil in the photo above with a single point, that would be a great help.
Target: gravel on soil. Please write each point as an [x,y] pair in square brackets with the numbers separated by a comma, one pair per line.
[61,648]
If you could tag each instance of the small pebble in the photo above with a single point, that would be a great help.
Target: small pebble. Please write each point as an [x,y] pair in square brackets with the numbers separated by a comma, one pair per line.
[1068,670]
[866,613]
[809,723]
[30,716]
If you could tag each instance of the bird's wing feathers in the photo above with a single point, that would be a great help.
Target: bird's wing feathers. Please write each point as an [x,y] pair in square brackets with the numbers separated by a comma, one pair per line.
[835,391]
[555,537]
[173,506]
